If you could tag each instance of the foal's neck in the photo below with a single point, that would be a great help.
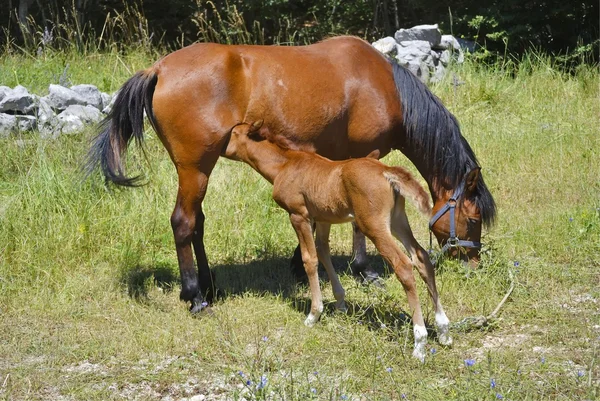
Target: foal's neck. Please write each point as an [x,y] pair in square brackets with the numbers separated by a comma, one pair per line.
[266,158]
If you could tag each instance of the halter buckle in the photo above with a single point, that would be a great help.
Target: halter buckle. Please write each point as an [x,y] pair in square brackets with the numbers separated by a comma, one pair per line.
[453,242]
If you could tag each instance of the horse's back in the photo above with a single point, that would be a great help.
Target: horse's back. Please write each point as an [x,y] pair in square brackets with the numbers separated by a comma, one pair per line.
[337,94]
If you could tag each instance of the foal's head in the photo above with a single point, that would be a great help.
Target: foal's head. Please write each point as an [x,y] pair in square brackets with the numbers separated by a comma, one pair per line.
[467,219]
[240,135]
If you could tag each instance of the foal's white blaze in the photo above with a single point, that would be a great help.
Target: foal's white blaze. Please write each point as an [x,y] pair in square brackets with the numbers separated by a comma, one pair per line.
[420,341]
[443,326]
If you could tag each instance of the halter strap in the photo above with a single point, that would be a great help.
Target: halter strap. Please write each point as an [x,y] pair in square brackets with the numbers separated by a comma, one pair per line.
[453,241]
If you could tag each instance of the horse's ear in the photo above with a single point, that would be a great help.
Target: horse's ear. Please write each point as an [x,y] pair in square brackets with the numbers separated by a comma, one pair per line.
[374,154]
[472,179]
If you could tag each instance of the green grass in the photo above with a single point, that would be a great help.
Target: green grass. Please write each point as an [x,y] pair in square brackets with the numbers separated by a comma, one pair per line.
[89,305]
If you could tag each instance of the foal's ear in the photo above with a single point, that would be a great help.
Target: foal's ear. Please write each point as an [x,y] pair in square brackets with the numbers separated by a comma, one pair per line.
[374,154]
[255,126]
[472,179]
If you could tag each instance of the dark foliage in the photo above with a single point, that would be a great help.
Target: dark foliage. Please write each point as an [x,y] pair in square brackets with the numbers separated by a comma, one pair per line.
[511,25]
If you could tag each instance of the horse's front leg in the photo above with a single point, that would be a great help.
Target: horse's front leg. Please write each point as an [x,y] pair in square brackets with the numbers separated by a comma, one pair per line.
[360,264]
[303,227]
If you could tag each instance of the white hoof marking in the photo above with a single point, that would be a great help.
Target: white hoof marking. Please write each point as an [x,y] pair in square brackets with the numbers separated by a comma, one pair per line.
[420,333]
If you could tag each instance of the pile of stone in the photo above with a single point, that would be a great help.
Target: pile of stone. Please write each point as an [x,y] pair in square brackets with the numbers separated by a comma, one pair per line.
[63,111]
[423,50]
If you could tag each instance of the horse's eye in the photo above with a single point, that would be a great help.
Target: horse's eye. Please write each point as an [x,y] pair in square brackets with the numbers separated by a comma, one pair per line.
[473,221]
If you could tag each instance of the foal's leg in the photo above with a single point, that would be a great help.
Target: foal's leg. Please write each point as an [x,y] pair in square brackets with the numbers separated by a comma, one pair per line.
[303,227]
[420,259]
[324,255]
[389,250]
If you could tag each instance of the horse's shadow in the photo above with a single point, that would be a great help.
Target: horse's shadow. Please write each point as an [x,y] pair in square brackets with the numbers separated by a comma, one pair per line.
[273,276]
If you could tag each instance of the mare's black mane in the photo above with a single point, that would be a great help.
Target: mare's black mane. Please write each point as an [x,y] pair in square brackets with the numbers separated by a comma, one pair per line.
[434,133]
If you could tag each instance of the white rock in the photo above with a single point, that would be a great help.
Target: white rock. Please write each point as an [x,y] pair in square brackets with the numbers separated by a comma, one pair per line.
[17,100]
[8,124]
[60,98]
[90,93]
[428,33]
[386,45]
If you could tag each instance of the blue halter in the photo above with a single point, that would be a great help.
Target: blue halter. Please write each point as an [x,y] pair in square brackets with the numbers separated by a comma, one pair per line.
[453,241]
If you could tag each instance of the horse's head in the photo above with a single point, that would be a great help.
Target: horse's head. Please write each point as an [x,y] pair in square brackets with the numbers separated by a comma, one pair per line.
[240,135]
[456,221]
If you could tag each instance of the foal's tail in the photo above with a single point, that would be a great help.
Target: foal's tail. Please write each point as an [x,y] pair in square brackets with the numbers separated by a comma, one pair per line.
[404,184]
[125,120]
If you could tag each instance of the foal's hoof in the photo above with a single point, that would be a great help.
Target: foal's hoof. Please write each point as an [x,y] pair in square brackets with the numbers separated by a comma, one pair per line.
[419,354]
[445,339]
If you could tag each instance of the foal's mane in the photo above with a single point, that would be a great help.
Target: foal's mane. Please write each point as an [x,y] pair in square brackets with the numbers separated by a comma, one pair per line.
[434,132]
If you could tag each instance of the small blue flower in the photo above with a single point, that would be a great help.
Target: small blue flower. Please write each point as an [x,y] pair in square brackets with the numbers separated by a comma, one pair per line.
[343,397]
[241,373]
[389,370]
[570,219]
[499,396]
[517,264]
[204,304]
[543,360]
[248,382]
[403,396]
[313,390]
[265,338]
[433,350]
[315,373]
[469,362]
[580,373]
[492,383]
[263,383]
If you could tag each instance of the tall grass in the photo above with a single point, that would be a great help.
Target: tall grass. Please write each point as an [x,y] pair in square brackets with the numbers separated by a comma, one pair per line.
[89,303]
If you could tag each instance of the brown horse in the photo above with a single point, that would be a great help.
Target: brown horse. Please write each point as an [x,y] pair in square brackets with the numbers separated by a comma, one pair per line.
[316,190]
[340,97]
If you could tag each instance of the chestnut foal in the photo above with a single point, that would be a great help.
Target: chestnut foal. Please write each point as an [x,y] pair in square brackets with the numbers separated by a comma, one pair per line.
[316,190]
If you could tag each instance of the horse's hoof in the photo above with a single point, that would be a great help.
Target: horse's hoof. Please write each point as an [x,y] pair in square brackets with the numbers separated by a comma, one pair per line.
[200,307]
[370,277]
[341,307]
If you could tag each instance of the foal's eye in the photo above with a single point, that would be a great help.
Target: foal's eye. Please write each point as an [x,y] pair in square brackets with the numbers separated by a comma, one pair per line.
[472,221]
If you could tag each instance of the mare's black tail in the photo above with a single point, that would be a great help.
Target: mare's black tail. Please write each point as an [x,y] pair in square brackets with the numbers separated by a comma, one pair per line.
[125,120]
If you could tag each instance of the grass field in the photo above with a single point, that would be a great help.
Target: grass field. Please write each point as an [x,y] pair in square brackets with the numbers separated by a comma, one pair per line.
[89,305]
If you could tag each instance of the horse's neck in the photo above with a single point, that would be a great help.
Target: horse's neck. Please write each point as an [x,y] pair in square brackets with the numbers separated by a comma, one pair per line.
[436,187]
[266,158]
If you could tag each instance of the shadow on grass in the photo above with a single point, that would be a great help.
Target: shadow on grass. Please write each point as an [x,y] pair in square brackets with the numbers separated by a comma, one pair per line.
[140,278]
[274,276]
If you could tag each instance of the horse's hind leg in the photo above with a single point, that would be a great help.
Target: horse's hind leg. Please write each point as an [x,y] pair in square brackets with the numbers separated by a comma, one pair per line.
[187,222]
[323,252]
[420,259]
